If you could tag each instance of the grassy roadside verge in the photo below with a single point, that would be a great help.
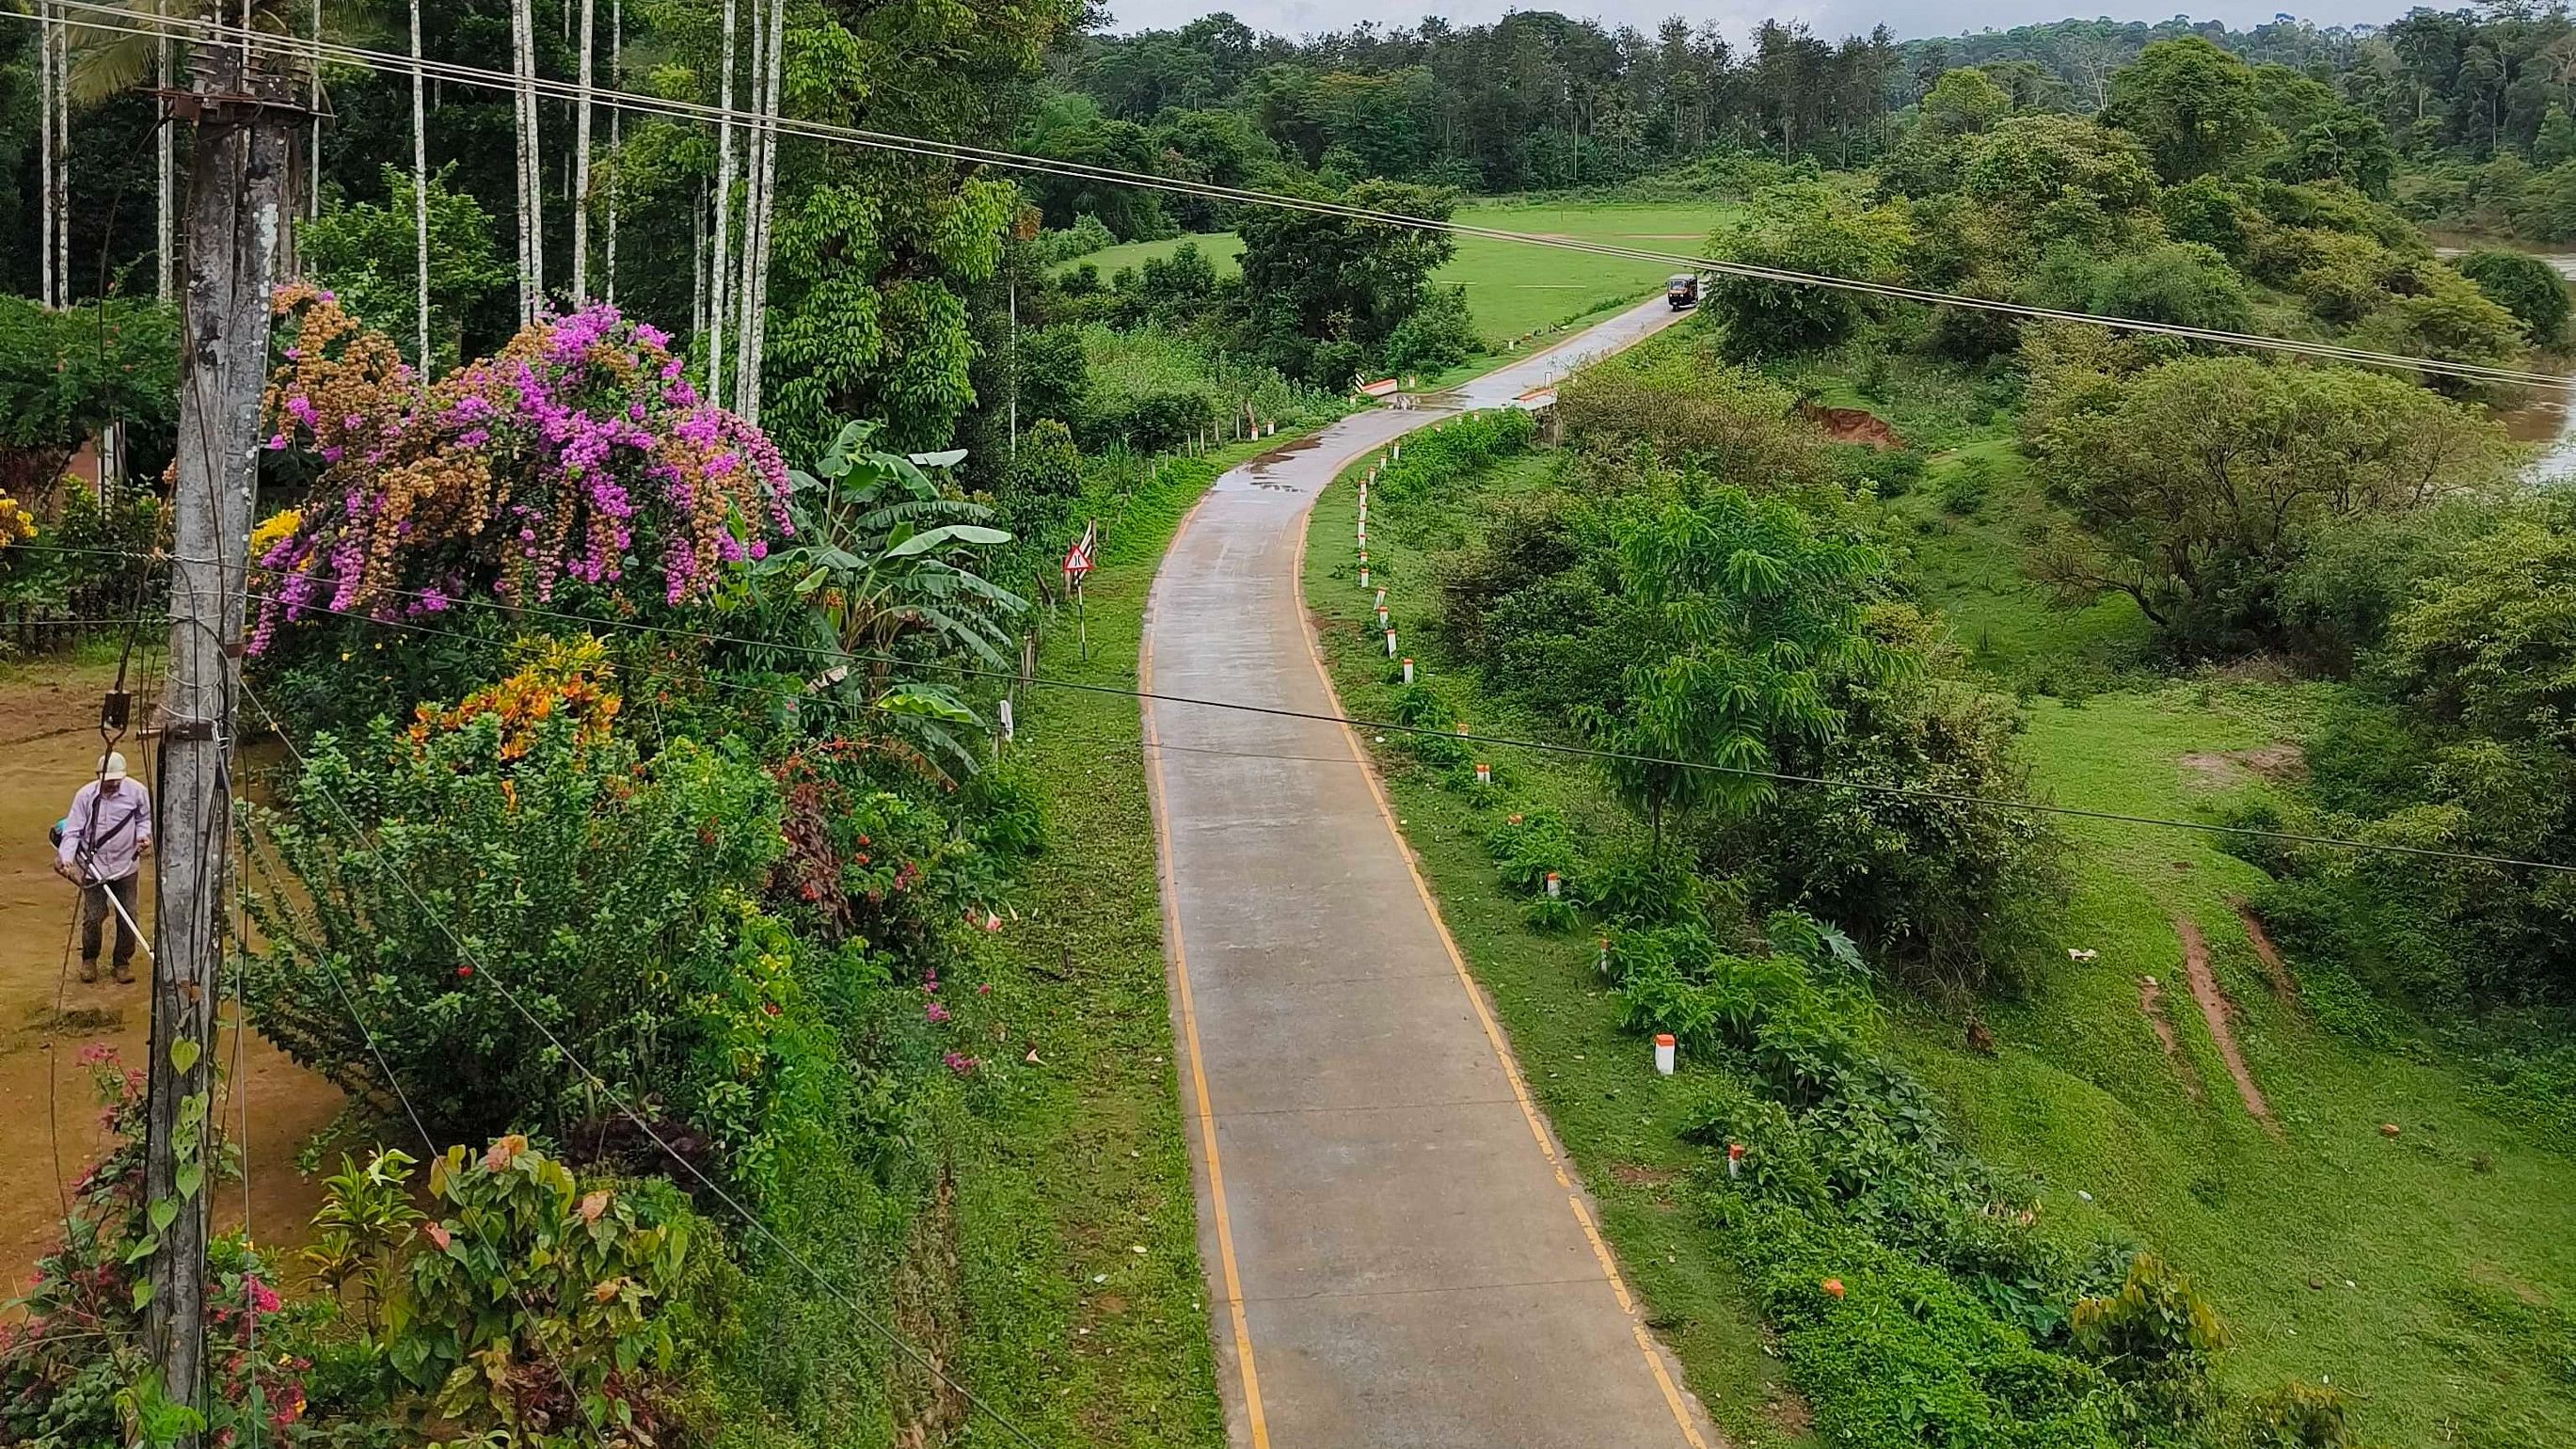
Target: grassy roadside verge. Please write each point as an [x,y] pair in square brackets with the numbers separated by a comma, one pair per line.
[1082,1158]
[1618,1121]
[2422,1274]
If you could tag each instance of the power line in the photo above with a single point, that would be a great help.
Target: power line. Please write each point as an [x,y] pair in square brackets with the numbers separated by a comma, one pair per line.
[1553,747]
[483,973]
[955,151]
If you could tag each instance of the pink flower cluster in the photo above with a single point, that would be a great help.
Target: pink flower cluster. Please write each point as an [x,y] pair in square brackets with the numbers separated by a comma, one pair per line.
[578,453]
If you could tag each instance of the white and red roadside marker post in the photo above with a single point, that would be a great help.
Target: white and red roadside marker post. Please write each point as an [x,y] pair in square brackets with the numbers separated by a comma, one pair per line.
[1664,1059]
[1408,669]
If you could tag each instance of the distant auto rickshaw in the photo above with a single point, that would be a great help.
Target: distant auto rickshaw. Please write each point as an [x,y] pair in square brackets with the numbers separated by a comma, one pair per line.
[1682,290]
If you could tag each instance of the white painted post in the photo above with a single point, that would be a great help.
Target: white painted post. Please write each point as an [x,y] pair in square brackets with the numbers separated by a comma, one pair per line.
[1408,669]
[1555,886]
[1484,773]
[1664,1065]
[1390,643]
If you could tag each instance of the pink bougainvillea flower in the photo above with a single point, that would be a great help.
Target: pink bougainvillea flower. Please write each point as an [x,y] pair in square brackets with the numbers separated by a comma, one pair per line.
[958,1062]
[437,1233]
[934,1013]
[571,455]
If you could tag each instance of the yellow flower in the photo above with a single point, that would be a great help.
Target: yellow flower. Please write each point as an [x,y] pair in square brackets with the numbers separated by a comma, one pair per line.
[272,528]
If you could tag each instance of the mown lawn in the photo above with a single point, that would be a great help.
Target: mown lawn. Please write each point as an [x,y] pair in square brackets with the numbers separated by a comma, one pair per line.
[1069,1330]
[1619,1122]
[1514,288]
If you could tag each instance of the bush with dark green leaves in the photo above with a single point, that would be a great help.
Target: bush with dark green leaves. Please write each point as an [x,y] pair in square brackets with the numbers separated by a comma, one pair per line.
[2528,287]
[1439,334]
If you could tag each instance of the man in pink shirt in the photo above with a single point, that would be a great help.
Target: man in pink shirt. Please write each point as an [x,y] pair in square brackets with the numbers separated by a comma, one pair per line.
[105,839]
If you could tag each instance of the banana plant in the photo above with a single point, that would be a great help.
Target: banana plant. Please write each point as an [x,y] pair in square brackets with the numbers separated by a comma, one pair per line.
[883,568]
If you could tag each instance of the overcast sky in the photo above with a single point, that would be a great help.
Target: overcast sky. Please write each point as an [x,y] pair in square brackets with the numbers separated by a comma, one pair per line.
[1831,18]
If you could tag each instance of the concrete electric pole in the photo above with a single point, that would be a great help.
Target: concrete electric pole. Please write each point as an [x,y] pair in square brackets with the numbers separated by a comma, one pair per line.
[245,105]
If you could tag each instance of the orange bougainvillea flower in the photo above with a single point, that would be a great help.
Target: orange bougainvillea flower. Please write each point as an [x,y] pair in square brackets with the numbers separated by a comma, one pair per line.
[1833,1287]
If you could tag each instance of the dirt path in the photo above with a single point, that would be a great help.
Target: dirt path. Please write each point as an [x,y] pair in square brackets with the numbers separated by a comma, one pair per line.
[2214,1010]
[2274,969]
[47,746]
[2151,1000]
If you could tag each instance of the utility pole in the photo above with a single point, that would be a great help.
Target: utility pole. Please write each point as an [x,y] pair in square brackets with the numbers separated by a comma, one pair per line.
[245,111]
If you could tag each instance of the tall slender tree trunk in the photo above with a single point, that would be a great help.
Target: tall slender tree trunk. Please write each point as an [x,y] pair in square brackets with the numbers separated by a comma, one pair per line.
[164,200]
[755,136]
[45,153]
[420,200]
[581,167]
[616,132]
[757,219]
[724,210]
[313,98]
[532,190]
[698,264]
[769,195]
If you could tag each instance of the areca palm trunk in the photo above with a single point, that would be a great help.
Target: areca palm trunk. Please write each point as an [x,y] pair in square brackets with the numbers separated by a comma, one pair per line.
[581,167]
[698,262]
[753,141]
[758,309]
[313,98]
[164,196]
[532,191]
[724,209]
[419,197]
[45,153]
[616,132]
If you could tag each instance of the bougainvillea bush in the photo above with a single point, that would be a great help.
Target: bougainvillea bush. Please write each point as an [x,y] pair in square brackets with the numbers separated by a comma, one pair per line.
[525,877]
[576,463]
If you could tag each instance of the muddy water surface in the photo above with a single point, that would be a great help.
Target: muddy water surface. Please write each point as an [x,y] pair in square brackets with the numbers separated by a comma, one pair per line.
[2546,417]
[49,1121]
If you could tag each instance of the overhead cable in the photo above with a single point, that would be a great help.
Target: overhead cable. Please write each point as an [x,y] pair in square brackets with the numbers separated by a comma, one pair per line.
[117,21]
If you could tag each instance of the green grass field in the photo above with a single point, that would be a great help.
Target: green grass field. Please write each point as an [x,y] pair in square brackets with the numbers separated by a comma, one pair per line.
[2457,1237]
[1514,288]
[1963,530]
[2432,1275]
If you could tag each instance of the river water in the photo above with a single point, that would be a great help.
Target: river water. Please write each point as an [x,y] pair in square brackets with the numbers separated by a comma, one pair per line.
[2545,417]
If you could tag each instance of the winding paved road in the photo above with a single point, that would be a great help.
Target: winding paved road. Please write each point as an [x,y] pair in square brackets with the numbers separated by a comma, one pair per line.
[1393,1239]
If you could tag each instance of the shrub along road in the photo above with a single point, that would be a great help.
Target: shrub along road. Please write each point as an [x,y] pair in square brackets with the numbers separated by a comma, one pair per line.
[1398,1250]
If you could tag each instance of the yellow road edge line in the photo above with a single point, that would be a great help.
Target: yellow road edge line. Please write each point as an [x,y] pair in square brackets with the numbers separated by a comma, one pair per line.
[1476,996]
[1255,1420]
